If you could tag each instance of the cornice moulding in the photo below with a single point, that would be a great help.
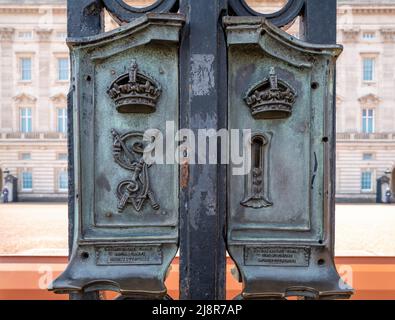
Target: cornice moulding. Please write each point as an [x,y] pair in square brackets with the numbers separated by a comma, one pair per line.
[39,10]
[364,9]
[19,10]
[373,10]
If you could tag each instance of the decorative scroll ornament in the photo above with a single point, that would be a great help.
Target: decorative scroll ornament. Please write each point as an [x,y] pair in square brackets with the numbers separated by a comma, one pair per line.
[271,99]
[135,92]
[136,190]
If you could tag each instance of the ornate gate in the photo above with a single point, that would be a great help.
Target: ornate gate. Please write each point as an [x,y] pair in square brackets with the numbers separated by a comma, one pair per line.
[202,64]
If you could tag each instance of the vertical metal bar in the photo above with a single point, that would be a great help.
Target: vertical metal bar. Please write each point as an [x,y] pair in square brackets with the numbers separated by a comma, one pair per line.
[320,26]
[203,101]
[84,18]
[319,21]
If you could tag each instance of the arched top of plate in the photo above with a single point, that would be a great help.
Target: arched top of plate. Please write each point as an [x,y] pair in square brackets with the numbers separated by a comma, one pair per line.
[124,13]
[280,18]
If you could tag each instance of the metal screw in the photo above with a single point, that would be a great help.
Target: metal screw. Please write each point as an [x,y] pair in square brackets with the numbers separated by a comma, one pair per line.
[108,214]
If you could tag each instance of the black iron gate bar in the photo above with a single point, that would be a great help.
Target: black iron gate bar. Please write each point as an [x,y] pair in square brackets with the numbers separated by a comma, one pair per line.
[202,249]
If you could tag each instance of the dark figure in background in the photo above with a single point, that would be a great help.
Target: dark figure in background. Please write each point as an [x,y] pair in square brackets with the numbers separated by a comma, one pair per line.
[5,195]
[388,196]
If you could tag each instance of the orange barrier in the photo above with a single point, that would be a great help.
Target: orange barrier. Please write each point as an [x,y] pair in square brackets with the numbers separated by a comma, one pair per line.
[27,277]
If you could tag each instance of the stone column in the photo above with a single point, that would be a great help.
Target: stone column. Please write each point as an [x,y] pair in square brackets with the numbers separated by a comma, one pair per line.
[6,78]
[349,78]
[42,117]
[387,82]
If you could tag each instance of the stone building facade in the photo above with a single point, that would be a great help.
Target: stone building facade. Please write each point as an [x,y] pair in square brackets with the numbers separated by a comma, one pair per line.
[34,83]
[34,75]
[365,97]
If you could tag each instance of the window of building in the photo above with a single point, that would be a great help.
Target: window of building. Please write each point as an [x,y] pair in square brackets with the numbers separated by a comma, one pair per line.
[62,156]
[26,156]
[26,69]
[25,35]
[367,156]
[62,120]
[27,181]
[366,181]
[63,69]
[368,35]
[368,69]
[26,119]
[62,181]
[368,120]
[61,35]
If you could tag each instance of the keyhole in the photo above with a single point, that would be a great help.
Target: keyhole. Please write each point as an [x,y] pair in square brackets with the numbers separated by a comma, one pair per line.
[257,150]
[257,166]
[257,180]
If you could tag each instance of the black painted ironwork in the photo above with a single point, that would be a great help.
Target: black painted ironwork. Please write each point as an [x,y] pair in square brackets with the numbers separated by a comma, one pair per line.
[202,227]
[280,18]
[202,241]
[123,13]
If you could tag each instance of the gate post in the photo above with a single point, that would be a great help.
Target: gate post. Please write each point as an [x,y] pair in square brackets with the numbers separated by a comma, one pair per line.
[319,21]
[320,26]
[203,101]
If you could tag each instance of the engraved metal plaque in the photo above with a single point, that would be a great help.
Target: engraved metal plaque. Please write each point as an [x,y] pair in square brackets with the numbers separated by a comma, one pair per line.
[276,256]
[281,89]
[126,226]
[130,255]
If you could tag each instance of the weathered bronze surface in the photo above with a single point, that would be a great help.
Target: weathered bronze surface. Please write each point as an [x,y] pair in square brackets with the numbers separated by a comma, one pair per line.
[126,227]
[280,235]
[128,215]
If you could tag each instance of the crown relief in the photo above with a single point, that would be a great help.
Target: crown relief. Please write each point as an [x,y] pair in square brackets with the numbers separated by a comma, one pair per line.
[135,92]
[271,99]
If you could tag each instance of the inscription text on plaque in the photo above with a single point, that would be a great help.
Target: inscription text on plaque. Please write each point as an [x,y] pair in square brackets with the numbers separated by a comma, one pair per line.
[129,255]
[276,256]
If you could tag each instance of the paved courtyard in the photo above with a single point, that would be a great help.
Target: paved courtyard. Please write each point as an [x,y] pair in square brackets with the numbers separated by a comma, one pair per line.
[33,229]
[41,229]
[365,230]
